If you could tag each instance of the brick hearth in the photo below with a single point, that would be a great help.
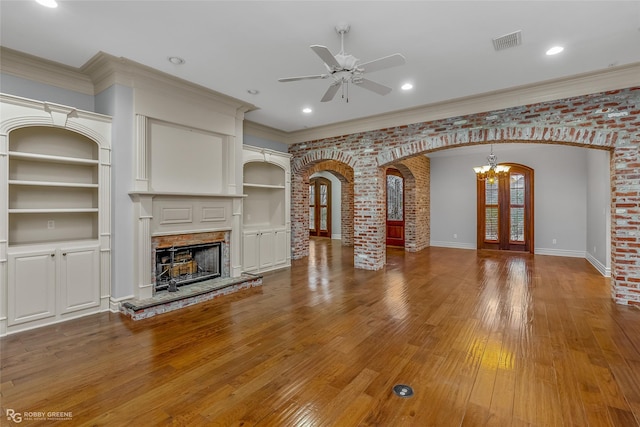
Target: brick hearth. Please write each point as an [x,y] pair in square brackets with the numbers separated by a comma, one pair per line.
[164,302]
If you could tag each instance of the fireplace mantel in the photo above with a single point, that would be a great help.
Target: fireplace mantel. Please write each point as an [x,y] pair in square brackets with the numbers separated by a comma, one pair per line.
[187,180]
[168,213]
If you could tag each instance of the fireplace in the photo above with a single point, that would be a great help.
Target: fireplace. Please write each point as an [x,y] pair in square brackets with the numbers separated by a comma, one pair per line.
[181,265]
[183,259]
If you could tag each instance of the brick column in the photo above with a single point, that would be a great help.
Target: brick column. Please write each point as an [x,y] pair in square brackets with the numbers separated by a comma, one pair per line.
[625,227]
[347,213]
[369,215]
[299,215]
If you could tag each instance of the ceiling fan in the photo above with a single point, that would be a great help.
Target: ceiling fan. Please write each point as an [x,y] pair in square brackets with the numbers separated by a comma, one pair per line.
[344,69]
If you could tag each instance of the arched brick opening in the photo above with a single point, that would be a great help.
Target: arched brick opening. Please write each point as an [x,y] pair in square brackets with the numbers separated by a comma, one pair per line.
[609,120]
[300,201]
[345,174]
[416,173]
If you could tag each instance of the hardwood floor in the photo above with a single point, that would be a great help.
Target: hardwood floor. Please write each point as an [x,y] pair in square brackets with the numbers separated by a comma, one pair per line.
[484,339]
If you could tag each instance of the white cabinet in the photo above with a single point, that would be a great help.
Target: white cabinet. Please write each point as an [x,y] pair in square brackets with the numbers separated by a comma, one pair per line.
[51,282]
[282,247]
[265,249]
[55,224]
[78,278]
[251,251]
[266,210]
[32,286]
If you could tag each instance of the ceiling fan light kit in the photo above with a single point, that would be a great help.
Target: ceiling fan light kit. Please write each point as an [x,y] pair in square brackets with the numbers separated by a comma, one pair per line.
[344,68]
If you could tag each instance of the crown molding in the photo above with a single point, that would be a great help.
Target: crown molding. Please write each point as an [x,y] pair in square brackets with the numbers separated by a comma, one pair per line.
[265,132]
[102,71]
[106,70]
[31,67]
[579,85]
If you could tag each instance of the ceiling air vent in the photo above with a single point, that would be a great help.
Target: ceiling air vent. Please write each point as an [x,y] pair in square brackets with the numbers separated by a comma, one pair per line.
[508,40]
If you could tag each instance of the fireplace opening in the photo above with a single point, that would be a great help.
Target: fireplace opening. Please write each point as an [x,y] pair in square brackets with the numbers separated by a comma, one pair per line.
[182,265]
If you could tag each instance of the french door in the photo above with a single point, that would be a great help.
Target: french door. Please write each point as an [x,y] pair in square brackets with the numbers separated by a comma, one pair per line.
[505,211]
[395,208]
[320,207]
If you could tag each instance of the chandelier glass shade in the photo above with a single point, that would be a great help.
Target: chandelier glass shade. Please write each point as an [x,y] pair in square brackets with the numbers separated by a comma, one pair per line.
[492,171]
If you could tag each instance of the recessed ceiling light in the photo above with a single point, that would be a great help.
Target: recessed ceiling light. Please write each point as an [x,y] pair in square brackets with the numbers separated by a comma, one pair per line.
[555,50]
[48,3]
[253,91]
[406,86]
[176,60]
[307,110]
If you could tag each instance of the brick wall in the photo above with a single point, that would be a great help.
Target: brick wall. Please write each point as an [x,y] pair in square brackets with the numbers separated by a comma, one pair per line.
[605,120]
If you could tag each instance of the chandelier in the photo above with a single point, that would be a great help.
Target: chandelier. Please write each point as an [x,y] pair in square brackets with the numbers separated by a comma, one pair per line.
[492,171]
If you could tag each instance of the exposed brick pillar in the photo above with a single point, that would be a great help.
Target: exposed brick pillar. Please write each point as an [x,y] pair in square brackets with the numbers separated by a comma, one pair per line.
[346,210]
[299,215]
[625,227]
[369,215]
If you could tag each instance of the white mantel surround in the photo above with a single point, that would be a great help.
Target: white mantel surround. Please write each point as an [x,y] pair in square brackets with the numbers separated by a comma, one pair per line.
[196,161]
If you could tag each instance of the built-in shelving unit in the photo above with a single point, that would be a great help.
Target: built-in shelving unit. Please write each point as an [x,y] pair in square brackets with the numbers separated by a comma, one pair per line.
[53,186]
[266,217]
[55,204]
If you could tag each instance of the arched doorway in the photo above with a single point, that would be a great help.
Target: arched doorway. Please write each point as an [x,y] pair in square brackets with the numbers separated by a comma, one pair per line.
[505,211]
[320,207]
[395,208]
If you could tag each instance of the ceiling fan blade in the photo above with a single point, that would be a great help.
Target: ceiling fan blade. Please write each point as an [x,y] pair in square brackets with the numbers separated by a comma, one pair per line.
[295,79]
[382,63]
[326,56]
[331,92]
[373,86]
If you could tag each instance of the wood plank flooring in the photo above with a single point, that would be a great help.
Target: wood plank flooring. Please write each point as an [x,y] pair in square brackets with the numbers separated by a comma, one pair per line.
[484,339]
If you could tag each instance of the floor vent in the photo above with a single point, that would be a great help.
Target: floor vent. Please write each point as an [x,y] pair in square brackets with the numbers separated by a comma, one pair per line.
[508,40]
[402,390]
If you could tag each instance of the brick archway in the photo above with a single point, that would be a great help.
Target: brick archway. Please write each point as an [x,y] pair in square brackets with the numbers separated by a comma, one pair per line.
[300,202]
[609,120]
[416,171]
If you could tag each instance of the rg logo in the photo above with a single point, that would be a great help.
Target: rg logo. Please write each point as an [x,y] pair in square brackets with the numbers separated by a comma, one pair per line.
[14,416]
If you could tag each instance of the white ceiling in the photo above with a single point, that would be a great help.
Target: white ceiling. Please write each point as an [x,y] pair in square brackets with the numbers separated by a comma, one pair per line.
[234,46]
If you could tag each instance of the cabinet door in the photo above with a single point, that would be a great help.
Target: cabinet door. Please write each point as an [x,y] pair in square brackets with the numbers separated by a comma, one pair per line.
[79,275]
[250,251]
[280,247]
[32,289]
[267,251]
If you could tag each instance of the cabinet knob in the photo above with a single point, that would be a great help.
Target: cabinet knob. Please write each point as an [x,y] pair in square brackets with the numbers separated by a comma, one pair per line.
[64,254]
[53,255]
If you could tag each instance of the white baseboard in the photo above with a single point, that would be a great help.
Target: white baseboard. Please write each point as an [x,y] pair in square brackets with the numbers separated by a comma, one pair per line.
[336,237]
[114,303]
[560,252]
[455,245]
[605,271]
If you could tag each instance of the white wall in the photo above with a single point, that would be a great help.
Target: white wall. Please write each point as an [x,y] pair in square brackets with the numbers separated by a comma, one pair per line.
[17,86]
[599,210]
[336,194]
[256,141]
[560,195]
